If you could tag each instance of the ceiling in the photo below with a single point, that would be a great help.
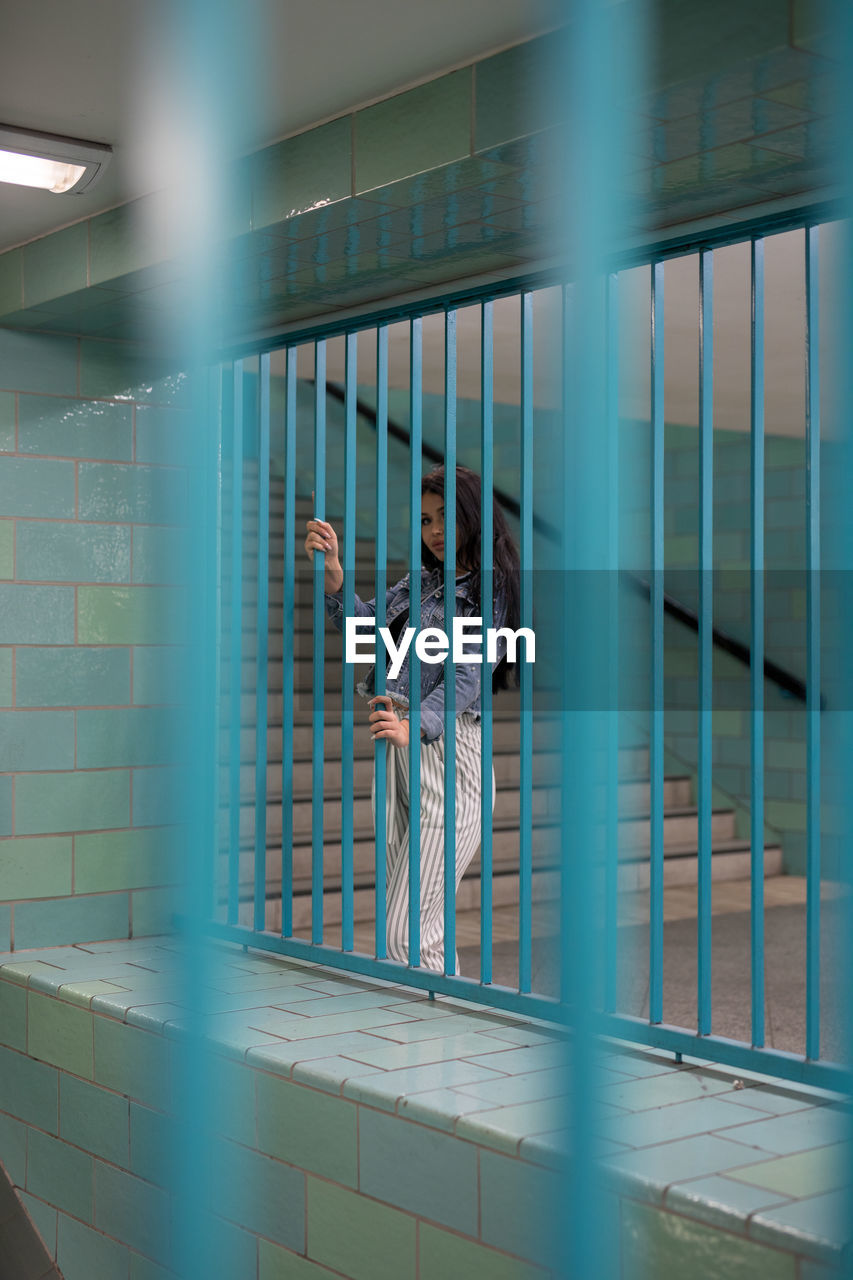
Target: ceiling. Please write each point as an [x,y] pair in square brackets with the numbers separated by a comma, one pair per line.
[83,67]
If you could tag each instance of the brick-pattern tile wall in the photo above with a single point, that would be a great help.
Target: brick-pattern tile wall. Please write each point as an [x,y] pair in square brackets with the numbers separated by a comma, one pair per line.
[90,488]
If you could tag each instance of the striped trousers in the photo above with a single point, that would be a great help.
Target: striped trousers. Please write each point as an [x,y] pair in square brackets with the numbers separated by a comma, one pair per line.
[468,830]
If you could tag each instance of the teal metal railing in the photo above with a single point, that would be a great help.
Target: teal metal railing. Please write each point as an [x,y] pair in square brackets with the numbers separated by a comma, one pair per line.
[536,507]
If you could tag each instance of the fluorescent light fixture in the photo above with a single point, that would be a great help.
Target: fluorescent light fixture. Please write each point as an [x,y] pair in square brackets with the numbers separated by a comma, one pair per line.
[61,165]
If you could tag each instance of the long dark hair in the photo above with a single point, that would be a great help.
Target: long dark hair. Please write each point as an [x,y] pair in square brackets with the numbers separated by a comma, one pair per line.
[506,576]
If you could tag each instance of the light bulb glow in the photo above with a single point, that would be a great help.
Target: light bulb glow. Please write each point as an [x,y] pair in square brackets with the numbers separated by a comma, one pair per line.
[34,171]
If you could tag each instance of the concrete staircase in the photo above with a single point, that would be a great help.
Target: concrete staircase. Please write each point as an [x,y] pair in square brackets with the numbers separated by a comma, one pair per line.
[730,854]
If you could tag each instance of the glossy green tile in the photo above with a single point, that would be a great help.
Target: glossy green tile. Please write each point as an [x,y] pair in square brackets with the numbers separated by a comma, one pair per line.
[522,1060]
[151,1144]
[82,801]
[38,362]
[35,868]
[7,421]
[503,1128]
[651,1169]
[36,615]
[511,97]
[813,1127]
[7,549]
[327,1073]
[265,1196]
[527,1087]
[59,1033]
[806,1173]
[162,435]
[36,740]
[94,1119]
[506,1183]
[444,1256]
[720,1201]
[132,1210]
[421,1170]
[275,1263]
[128,859]
[43,1217]
[439,1108]
[118,242]
[232,1095]
[144,1269]
[5,677]
[56,264]
[132,1062]
[302,172]
[60,551]
[72,677]
[13,1149]
[682,1119]
[129,615]
[156,675]
[13,1017]
[418,1052]
[84,918]
[317,1132]
[358,1236]
[60,1173]
[74,428]
[153,911]
[29,1090]
[159,554]
[661,1090]
[37,487]
[127,373]
[11,281]
[138,736]
[5,912]
[148,495]
[5,806]
[384,1088]
[84,1254]
[663,1244]
[413,131]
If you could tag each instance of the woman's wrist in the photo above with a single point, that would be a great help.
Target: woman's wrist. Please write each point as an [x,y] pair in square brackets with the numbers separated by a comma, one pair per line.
[333,582]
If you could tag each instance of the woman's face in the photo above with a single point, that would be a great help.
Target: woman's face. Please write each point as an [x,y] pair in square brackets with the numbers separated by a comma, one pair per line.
[432,524]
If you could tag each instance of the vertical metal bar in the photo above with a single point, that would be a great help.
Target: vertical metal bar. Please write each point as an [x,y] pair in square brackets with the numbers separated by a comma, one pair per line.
[525,832]
[756,579]
[214,460]
[656,738]
[347,725]
[317,705]
[380,749]
[449,612]
[706,623]
[611,834]
[567,561]
[487,368]
[415,449]
[813,668]
[262,642]
[236,654]
[287,643]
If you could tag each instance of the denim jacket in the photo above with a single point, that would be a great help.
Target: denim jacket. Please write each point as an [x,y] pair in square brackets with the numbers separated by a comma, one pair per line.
[432,675]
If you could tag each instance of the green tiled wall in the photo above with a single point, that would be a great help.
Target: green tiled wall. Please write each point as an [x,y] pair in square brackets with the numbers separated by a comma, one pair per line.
[88,556]
[313,1178]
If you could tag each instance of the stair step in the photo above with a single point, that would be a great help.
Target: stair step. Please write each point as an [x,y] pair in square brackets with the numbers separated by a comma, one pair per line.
[731,864]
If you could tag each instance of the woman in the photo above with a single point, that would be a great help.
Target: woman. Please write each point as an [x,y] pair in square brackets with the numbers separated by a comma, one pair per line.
[389,719]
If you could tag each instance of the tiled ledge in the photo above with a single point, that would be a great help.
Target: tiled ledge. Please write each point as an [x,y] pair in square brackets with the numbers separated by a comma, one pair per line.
[697,1159]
